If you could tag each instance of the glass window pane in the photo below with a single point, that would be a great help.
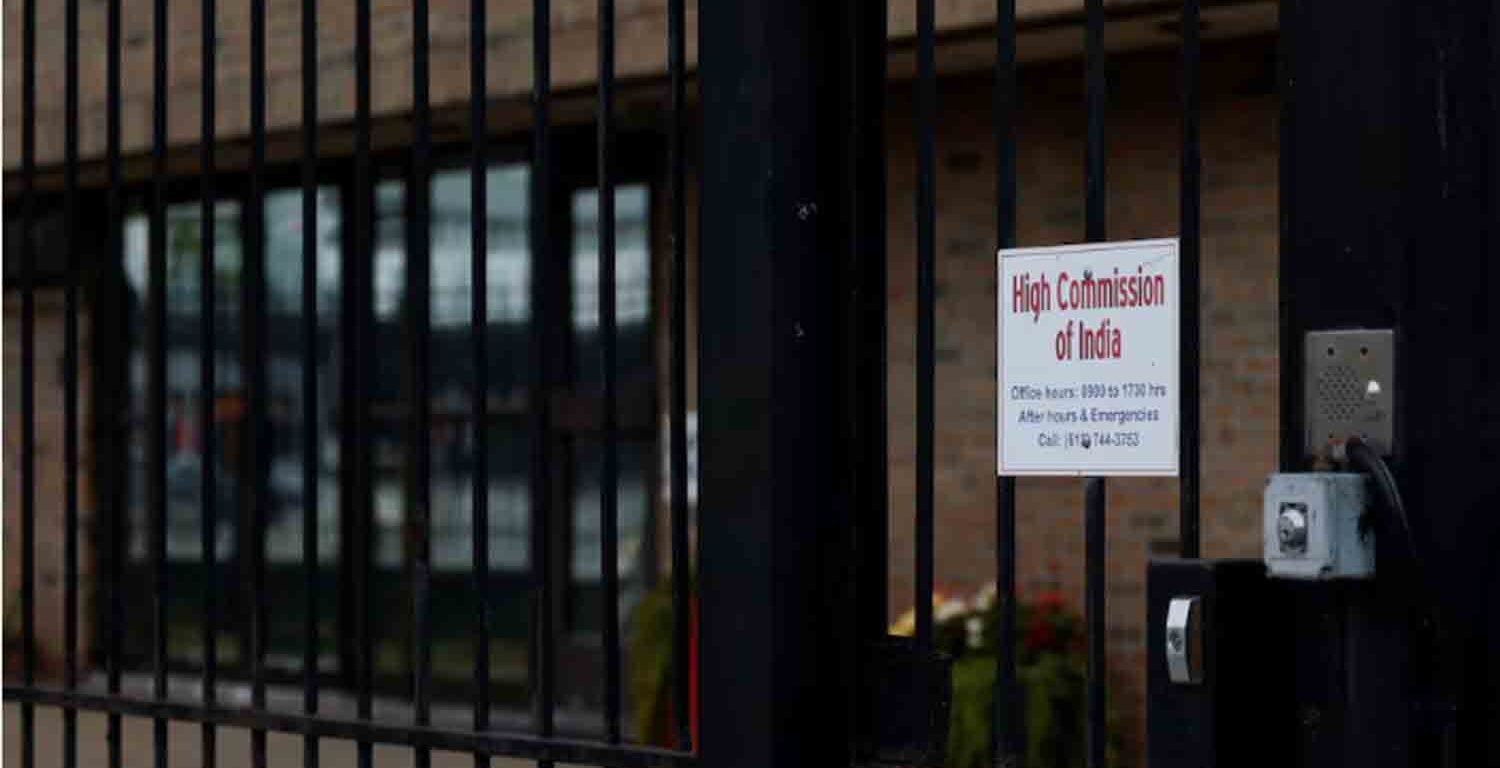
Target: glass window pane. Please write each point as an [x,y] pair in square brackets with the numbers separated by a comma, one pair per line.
[635,380]
[632,284]
[452,440]
[388,416]
[289,432]
[634,370]
[586,609]
[184,444]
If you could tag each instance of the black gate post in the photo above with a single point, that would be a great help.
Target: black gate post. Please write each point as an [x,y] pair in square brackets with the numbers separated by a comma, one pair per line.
[776,563]
[1391,219]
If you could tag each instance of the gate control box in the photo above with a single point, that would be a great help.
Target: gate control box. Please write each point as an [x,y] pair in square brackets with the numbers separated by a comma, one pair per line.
[1314,526]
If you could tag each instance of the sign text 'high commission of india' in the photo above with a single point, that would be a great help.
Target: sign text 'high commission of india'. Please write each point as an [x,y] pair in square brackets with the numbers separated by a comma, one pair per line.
[1088,359]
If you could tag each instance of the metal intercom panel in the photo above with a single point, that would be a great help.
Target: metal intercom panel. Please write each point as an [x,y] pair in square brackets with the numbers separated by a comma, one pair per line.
[1349,390]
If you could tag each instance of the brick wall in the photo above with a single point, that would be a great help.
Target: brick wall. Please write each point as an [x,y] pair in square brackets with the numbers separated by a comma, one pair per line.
[640,33]
[49,486]
[1239,373]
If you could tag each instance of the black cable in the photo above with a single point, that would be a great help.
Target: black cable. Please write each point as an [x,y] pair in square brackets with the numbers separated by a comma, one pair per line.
[1366,459]
[1441,707]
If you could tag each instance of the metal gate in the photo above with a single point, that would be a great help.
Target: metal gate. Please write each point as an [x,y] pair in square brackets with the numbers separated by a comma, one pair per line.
[856,72]
[796,666]
[361,386]
[793,280]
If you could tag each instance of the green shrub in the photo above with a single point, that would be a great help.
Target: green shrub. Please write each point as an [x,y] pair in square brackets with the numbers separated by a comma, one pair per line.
[1052,703]
[1050,671]
[650,651]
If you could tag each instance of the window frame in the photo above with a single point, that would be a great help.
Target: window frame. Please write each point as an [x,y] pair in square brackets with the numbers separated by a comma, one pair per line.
[639,161]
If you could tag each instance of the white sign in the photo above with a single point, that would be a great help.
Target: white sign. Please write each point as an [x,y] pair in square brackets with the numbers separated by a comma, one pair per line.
[1088,359]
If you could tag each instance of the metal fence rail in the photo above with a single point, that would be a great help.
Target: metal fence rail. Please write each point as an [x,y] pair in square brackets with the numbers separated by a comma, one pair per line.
[357,346]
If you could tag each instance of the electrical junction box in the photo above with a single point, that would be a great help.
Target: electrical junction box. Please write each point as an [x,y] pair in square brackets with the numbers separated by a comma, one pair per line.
[1312,526]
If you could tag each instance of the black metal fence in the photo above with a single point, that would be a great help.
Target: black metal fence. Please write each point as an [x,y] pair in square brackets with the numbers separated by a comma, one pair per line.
[359,380]
[824,105]
[359,346]
[1007,727]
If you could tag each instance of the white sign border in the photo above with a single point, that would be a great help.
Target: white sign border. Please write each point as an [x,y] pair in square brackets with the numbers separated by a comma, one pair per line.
[1175,243]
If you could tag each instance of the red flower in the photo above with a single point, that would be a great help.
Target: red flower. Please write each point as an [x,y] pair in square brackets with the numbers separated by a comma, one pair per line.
[1050,601]
[1040,636]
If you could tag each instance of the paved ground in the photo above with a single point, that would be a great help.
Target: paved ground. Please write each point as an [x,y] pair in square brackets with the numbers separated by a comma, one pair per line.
[185,741]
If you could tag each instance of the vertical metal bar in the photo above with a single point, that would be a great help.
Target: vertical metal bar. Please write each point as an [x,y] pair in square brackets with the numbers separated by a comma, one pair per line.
[1094,585]
[208,492]
[1094,204]
[610,475]
[1188,206]
[771,441]
[70,379]
[1094,487]
[926,200]
[28,377]
[1007,720]
[681,560]
[118,433]
[358,364]
[543,639]
[156,406]
[479,335]
[862,186]
[418,279]
[1007,746]
[1006,98]
[1288,352]
[257,432]
[310,345]
[1005,698]
[859,223]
